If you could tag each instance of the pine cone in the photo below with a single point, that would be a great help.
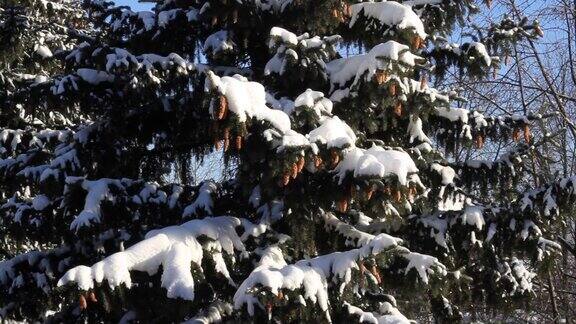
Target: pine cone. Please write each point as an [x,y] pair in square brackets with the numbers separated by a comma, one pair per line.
[479,141]
[423,82]
[392,89]
[412,192]
[416,42]
[222,108]
[226,144]
[285,179]
[301,163]
[516,135]
[369,192]
[347,10]
[527,133]
[238,142]
[388,191]
[343,205]
[317,161]
[335,158]
[376,274]
[362,271]
[398,109]
[335,13]
[294,170]
[381,76]
[227,133]
[398,195]
[82,302]
[269,307]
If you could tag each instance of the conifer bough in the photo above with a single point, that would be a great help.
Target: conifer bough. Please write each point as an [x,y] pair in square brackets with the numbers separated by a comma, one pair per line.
[340,198]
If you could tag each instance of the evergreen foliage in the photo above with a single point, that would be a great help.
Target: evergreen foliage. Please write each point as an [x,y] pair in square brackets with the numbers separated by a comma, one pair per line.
[343,199]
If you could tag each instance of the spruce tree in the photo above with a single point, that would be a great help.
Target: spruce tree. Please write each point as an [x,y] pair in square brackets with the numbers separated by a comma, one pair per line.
[345,196]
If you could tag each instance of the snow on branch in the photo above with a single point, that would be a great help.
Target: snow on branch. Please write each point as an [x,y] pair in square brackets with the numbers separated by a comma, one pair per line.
[219,43]
[518,221]
[333,132]
[387,313]
[354,237]
[110,190]
[377,162]
[270,5]
[299,52]
[13,139]
[315,276]
[391,14]
[203,201]
[313,101]
[132,24]
[119,65]
[42,265]
[175,248]
[97,192]
[246,99]
[215,313]
[385,57]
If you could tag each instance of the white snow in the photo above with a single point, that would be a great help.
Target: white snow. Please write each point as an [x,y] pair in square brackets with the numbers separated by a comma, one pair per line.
[438,228]
[453,114]
[390,13]
[377,162]
[247,99]
[381,57]
[40,202]
[313,275]
[292,139]
[415,130]
[164,17]
[391,316]
[14,134]
[480,50]
[270,5]
[147,18]
[424,265]
[473,216]
[300,50]
[448,174]
[203,200]
[315,101]
[94,77]
[518,275]
[284,35]
[219,41]
[98,191]
[353,236]
[44,51]
[120,58]
[174,248]
[333,132]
